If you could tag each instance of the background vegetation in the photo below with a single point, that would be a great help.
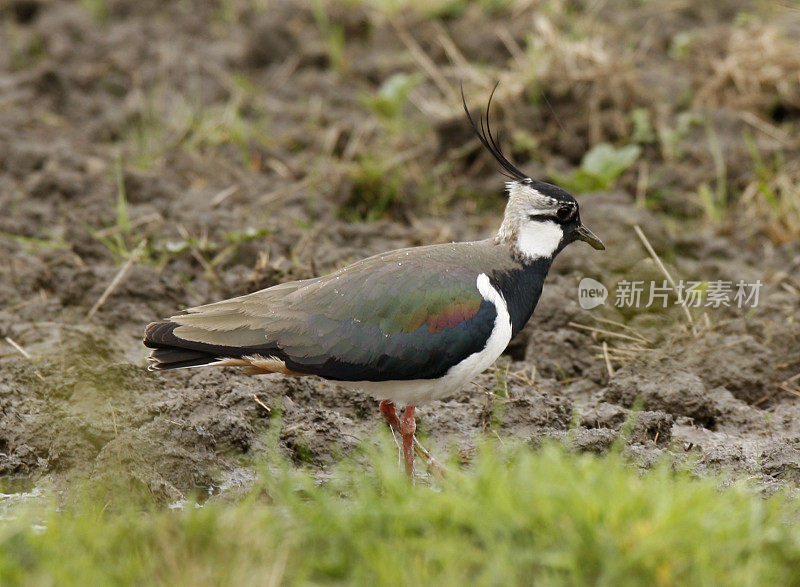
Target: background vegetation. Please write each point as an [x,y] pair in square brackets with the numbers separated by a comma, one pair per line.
[155,156]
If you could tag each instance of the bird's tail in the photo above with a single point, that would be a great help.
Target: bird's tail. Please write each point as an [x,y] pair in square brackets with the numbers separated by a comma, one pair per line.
[171,352]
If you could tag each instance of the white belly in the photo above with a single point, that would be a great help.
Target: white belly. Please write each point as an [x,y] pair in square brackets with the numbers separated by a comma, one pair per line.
[417,391]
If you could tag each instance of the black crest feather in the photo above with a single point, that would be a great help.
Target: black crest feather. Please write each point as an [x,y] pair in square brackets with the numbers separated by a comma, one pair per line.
[484,133]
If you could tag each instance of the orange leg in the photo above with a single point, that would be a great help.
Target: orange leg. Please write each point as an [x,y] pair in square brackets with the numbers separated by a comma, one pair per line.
[408,426]
[405,427]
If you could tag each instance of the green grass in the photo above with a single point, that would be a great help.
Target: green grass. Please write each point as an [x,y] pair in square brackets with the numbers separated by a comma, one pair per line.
[378,187]
[120,239]
[333,35]
[517,516]
[715,202]
[183,122]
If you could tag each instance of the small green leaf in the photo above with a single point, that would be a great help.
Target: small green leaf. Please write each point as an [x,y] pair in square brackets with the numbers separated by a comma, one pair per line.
[392,95]
[606,163]
[599,168]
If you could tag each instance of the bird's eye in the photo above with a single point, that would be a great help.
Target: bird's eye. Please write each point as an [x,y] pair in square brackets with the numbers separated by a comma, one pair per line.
[565,212]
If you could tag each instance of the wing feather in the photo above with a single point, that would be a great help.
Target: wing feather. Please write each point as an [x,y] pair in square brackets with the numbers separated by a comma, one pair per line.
[393,316]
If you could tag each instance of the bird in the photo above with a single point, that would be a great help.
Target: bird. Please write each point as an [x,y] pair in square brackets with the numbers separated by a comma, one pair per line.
[407,326]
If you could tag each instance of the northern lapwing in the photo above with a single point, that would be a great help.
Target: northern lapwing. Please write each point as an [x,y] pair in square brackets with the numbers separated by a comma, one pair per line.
[407,326]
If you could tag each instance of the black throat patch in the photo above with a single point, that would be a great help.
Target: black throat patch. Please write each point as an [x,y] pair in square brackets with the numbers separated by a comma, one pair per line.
[521,289]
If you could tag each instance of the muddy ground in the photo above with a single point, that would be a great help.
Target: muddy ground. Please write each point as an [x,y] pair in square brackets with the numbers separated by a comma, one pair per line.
[227,147]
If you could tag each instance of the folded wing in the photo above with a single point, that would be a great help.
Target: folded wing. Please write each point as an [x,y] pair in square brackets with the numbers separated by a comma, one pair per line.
[389,317]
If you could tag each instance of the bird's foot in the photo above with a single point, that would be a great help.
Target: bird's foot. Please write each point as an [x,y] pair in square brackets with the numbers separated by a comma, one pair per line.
[437,469]
[406,427]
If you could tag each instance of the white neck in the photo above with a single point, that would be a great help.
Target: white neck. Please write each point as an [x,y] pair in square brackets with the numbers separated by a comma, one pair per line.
[539,239]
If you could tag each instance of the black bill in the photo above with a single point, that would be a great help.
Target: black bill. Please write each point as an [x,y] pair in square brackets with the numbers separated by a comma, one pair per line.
[588,236]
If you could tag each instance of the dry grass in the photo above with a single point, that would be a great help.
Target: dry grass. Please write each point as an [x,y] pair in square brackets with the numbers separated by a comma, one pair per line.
[772,203]
[587,69]
[755,66]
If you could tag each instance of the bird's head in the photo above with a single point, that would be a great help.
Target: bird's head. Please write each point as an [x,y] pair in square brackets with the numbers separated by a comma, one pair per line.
[540,219]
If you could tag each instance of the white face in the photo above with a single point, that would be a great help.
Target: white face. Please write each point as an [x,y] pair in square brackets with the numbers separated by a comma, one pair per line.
[535,221]
[538,238]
